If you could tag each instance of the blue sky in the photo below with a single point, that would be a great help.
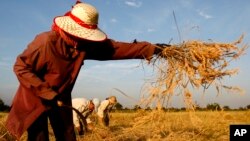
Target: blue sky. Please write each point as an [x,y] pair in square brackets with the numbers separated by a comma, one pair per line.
[126,20]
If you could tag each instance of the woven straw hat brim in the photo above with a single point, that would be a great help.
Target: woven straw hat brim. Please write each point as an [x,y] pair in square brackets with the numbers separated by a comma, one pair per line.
[70,26]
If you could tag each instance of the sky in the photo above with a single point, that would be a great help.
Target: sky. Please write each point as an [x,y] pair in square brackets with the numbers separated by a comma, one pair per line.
[126,20]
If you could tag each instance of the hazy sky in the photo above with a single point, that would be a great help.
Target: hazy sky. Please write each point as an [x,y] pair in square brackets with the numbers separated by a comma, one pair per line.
[126,20]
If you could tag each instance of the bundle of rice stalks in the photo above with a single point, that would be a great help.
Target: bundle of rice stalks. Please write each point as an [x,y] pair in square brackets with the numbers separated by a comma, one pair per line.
[97,134]
[145,126]
[194,63]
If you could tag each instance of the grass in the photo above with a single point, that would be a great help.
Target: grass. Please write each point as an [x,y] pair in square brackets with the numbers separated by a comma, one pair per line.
[158,126]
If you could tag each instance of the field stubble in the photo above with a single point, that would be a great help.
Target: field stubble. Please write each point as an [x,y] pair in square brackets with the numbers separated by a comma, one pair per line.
[158,126]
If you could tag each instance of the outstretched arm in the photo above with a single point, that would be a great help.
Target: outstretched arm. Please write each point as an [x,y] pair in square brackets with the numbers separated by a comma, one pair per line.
[114,50]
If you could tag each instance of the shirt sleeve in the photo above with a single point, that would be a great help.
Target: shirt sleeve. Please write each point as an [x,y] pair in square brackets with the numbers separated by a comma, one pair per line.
[29,68]
[138,50]
[115,50]
[104,104]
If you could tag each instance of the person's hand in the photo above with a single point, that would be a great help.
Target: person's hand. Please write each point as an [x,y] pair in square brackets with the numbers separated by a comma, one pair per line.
[160,47]
[79,130]
[52,103]
[90,127]
[59,103]
[91,105]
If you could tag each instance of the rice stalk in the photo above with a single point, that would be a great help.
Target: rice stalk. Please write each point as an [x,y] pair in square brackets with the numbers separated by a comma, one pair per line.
[193,63]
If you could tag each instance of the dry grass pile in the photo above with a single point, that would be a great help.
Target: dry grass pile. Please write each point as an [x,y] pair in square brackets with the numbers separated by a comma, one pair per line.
[194,63]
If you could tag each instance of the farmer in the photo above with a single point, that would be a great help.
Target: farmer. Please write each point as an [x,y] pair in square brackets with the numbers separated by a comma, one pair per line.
[47,70]
[86,108]
[104,109]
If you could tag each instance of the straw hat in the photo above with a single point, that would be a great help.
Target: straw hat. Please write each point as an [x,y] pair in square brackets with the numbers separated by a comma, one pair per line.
[81,22]
[113,99]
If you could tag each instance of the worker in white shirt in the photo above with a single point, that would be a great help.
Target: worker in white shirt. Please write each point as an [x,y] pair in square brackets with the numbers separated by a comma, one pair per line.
[85,107]
[104,109]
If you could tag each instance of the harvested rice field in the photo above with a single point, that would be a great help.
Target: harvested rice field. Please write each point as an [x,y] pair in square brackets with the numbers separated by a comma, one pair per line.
[158,126]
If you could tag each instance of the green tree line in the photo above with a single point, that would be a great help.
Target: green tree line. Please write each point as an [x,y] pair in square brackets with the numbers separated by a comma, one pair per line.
[209,107]
[3,107]
[119,107]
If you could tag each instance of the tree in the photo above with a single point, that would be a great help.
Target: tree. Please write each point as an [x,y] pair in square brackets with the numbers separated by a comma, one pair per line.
[1,102]
[248,107]
[213,106]
[3,107]
[137,107]
[148,109]
[226,108]
[118,106]
[242,108]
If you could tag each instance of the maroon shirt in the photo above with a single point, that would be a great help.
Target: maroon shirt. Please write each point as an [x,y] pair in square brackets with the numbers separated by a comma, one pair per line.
[49,67]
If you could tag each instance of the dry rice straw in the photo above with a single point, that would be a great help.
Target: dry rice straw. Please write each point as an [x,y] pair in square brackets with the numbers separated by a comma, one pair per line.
[194,63]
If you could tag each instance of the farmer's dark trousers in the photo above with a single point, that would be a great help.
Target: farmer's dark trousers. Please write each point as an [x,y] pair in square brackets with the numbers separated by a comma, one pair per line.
[61,122]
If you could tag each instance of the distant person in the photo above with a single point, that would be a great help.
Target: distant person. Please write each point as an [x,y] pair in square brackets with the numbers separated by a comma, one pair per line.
[48,68]
[86,108]
[104,109]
